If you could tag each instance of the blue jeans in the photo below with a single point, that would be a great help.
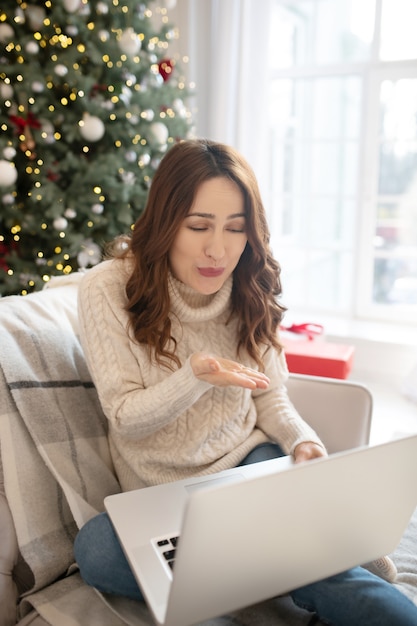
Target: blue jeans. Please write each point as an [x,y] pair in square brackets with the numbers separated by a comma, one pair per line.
[353,597]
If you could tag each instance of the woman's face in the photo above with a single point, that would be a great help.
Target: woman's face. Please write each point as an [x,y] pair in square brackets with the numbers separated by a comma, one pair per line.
[211,238]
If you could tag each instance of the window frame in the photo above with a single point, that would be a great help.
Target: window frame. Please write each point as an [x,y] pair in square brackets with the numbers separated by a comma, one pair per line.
[369,196]
[371,74]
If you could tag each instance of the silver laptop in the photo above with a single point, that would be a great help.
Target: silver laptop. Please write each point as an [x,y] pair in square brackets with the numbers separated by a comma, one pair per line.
[203,547]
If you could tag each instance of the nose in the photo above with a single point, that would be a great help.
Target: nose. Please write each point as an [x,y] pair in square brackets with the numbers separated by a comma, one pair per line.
[215,246]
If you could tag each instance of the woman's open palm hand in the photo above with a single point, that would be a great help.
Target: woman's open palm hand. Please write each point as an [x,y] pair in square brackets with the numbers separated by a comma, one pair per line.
[224,372]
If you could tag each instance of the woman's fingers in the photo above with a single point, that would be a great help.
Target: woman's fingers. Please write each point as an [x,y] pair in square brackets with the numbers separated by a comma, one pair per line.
[224,372]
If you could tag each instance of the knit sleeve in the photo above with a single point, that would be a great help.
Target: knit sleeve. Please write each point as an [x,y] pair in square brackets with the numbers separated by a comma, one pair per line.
[116,367]
[276,415]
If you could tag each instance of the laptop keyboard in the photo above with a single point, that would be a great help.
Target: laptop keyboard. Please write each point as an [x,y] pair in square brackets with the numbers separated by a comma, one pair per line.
[166,547]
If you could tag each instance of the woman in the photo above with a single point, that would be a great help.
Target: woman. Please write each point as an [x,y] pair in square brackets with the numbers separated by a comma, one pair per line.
[180,334]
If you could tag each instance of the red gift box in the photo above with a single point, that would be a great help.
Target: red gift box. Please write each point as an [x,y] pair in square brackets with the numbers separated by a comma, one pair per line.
[318,358]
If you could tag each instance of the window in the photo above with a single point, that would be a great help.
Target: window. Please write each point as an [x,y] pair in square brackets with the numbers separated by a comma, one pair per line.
[343,155]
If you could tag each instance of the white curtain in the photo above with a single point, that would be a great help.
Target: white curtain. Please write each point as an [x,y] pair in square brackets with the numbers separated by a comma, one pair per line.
[227,45]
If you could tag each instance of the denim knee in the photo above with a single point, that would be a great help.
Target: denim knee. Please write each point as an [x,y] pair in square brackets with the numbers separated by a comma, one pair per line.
[101,559]
[356,597]
[87,549]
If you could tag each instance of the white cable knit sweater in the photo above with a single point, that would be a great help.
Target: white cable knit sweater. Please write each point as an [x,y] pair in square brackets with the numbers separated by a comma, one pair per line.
[166,425]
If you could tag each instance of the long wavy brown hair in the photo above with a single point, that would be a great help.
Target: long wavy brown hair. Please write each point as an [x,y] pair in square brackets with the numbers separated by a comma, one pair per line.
[256,278]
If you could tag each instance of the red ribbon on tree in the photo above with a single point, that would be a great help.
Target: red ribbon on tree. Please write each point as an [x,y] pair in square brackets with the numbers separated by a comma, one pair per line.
[166,67]
[23,128]
[5,249]
[21,122]
[97,88]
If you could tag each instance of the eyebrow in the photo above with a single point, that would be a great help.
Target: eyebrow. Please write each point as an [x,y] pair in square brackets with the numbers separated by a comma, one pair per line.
[212,216]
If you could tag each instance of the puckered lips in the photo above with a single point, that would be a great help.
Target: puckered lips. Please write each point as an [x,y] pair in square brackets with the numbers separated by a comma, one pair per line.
[211,272]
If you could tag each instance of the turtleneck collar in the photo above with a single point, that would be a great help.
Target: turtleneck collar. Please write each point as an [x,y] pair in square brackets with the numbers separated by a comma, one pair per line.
[191,306]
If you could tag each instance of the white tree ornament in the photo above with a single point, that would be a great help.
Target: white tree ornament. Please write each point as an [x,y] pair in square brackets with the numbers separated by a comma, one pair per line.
[6,91]
[129,42]
[72,5]
[60,223]
[91,128]
[160,132]
[8,173]
[6,33]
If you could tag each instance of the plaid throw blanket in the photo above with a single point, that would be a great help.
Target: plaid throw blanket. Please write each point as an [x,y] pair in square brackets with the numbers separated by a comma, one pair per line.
[56,462]
[57,467]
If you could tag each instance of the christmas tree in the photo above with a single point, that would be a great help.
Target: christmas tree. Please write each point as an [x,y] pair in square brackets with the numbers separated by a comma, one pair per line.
[90,101]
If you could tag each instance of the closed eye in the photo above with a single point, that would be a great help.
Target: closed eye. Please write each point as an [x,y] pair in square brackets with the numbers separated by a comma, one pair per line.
[237,226]
[234,229]
[195,223]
